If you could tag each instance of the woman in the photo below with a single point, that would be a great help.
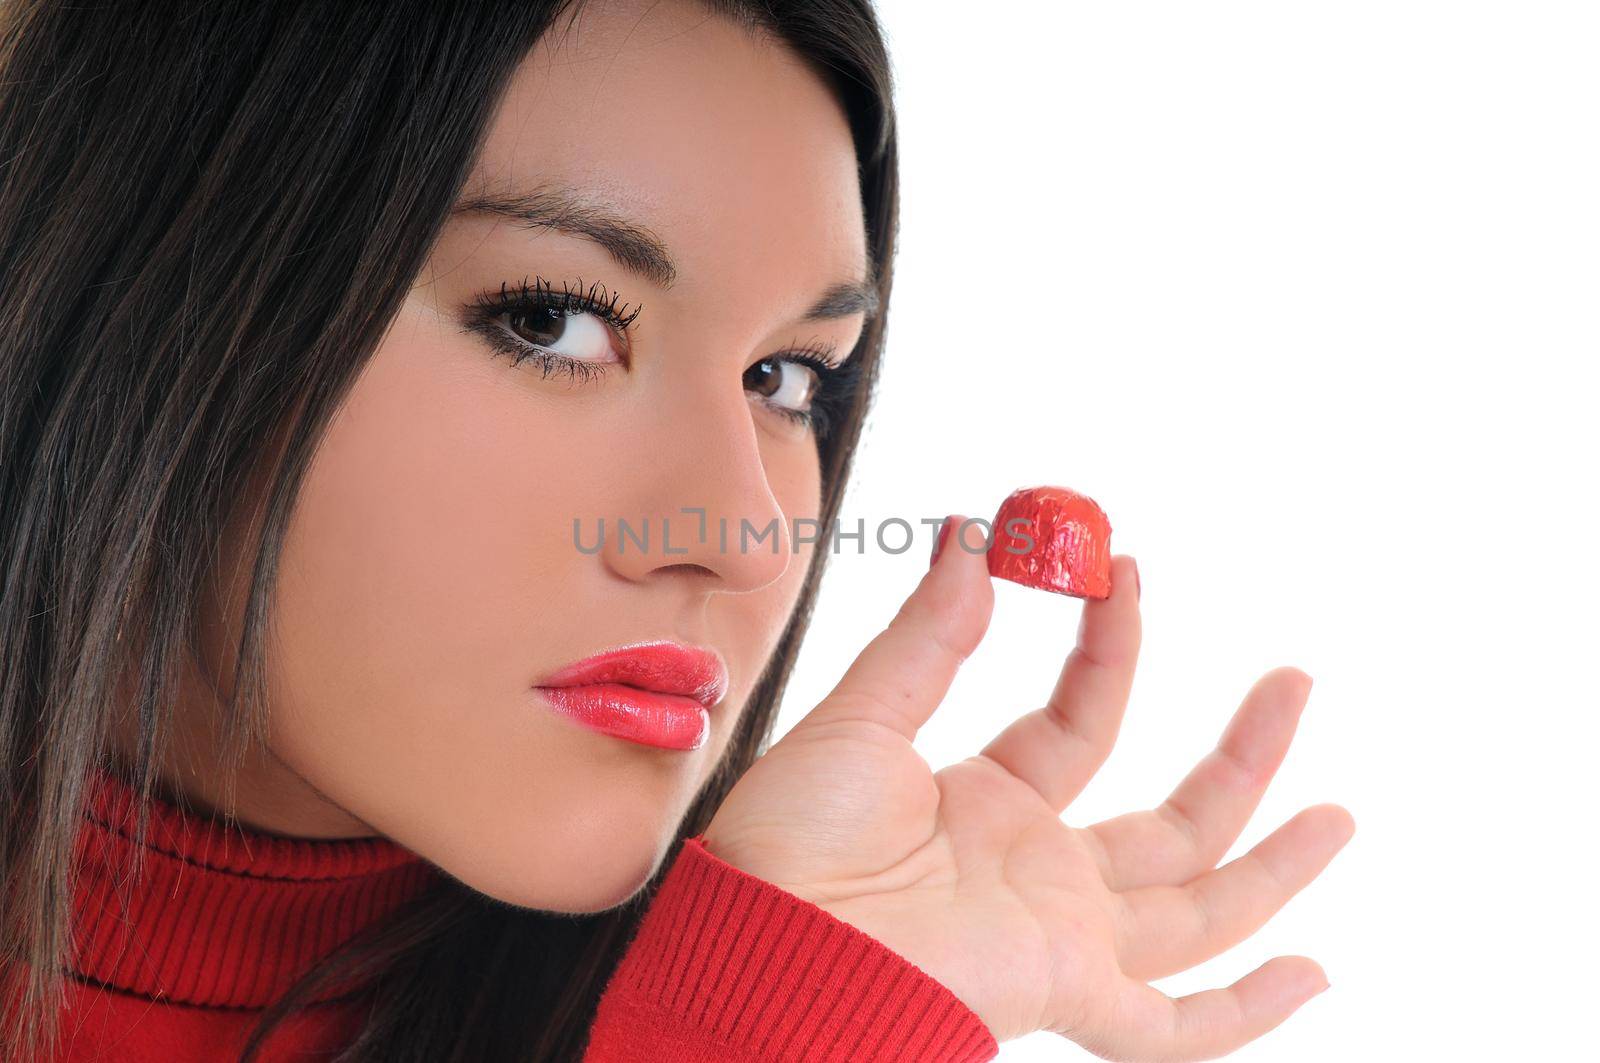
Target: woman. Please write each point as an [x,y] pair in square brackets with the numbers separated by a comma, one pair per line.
[334,332]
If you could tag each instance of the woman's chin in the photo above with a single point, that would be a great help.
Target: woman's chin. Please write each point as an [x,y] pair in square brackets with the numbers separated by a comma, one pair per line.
[578,872]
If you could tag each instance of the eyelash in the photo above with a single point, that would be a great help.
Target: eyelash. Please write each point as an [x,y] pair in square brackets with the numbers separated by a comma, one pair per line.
[539,298]
[836,382]
[836,386]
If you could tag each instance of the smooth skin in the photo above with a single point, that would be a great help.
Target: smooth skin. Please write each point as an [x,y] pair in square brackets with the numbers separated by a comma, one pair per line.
[970,871]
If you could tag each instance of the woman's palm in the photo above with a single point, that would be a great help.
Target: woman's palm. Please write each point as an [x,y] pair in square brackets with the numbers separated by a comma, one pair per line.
[971,873]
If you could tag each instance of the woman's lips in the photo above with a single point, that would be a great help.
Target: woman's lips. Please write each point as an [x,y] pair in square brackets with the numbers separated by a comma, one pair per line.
[655,693]
[664,720]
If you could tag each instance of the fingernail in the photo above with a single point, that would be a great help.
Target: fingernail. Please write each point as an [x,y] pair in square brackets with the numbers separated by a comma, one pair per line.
[1138,586]
[938,543]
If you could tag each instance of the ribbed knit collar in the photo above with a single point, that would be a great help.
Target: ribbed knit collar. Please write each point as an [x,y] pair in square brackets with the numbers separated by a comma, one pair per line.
[222,916]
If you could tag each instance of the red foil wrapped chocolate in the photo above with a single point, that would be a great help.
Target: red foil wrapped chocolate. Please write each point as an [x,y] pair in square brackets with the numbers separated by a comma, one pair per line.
[1054,539]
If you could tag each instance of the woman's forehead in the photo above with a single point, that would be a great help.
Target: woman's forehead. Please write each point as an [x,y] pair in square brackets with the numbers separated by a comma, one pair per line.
[707,139]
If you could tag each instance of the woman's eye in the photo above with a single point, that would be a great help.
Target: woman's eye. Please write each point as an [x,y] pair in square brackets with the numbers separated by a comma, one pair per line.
[576,334]
[783,383]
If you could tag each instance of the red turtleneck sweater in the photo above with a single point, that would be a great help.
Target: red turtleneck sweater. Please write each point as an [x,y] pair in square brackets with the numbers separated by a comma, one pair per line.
[724,967]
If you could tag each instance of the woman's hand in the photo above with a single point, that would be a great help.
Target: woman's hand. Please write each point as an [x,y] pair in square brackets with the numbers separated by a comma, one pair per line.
[970,872]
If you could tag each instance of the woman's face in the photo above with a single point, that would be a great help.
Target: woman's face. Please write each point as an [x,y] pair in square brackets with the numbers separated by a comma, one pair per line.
[431,574]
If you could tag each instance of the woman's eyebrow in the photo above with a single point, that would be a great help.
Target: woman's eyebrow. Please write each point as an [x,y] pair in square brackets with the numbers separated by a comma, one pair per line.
[632,245]
[844,299]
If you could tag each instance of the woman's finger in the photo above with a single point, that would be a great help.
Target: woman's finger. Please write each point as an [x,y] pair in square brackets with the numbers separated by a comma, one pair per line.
[1196,825]
[903,674]
[1057,749]
[1140,1022]
[1167,929]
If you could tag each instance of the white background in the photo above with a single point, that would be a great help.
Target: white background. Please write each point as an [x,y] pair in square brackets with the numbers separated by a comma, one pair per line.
[1305,296]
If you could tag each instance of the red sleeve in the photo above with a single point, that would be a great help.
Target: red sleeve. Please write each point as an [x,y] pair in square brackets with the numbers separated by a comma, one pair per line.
[728,967]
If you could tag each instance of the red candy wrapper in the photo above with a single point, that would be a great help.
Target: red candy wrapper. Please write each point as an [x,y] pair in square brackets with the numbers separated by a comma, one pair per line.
[1053,539]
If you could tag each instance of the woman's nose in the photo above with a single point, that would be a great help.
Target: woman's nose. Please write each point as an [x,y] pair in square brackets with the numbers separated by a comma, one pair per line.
[700,502]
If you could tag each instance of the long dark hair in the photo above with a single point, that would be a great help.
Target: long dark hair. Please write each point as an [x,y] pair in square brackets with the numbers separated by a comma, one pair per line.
[208,214]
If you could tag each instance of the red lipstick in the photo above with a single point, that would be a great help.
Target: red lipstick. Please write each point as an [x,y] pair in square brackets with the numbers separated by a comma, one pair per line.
[655,693]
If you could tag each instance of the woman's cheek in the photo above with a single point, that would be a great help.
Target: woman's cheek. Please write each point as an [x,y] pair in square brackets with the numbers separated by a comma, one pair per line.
[429,556]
